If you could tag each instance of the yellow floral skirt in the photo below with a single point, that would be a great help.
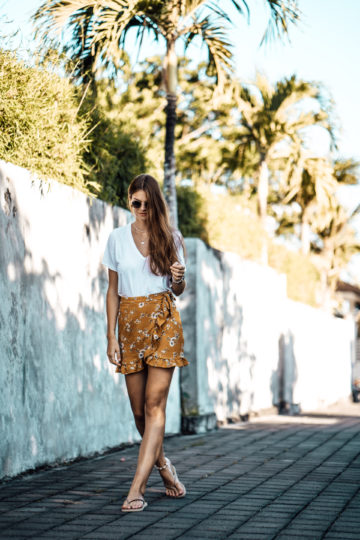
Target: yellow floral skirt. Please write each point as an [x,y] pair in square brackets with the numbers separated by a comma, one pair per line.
[150,332]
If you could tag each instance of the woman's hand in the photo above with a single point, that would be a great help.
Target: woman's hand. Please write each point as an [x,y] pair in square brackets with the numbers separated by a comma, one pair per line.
[113,351]
[177,271]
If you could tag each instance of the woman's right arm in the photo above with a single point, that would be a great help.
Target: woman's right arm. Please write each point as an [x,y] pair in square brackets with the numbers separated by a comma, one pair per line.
[112,309]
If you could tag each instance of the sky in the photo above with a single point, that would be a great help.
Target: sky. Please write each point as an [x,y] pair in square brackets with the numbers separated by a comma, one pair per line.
[324,47]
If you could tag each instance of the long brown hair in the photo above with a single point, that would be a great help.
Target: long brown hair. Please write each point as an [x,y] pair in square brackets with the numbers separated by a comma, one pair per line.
[162,248]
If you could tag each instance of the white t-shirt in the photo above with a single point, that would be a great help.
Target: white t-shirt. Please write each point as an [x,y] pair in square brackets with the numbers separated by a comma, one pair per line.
[134,275]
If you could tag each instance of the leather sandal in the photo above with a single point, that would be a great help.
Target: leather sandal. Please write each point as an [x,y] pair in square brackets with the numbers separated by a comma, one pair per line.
[139,509]
[168,465]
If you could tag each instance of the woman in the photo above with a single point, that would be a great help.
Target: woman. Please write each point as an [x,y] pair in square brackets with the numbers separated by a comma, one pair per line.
[146,268]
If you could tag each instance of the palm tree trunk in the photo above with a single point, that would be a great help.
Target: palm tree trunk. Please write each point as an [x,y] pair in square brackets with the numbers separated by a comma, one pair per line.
[325,280]
[305,234]
[263,190]
[169,164]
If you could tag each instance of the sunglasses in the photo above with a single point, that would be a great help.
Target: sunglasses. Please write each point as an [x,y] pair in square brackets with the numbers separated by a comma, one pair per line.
[137,204]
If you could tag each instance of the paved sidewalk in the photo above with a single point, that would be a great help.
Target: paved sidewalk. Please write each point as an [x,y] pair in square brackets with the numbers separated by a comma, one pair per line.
[272,478]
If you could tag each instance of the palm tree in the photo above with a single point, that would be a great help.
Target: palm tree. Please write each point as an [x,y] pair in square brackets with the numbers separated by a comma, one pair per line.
[337,242]
[309,183]
[99,28]
[270,117]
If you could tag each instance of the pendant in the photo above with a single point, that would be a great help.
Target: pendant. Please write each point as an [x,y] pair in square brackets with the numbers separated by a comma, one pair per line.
[142,243]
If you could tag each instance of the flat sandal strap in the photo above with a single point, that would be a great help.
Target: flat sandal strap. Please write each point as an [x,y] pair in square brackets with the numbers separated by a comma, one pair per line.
[161,468]
[137,499]
[166,466]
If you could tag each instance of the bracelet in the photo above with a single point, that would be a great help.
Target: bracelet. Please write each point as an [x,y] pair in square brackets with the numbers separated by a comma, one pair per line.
[179,281]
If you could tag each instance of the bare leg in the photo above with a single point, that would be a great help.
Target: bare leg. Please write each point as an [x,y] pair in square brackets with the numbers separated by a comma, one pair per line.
[136,387]
[156,392]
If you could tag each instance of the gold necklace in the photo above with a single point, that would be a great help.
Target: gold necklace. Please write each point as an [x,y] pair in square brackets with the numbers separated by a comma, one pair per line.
[142,242]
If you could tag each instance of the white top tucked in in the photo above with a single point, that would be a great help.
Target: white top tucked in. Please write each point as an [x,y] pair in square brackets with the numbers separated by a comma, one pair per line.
[134,275]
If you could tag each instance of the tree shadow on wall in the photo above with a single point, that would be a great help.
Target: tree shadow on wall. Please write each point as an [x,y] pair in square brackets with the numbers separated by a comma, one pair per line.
[97,216]
[233,395]
[284,379]
[60,398]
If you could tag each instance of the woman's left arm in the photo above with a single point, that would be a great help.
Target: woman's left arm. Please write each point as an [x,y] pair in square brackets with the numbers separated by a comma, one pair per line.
[178,283]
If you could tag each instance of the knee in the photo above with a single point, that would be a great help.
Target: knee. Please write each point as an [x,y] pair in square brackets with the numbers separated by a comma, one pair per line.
[155,407]
[139,417]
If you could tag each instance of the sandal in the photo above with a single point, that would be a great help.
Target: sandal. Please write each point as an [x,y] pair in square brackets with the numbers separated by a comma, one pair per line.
[139,509]
[168,465]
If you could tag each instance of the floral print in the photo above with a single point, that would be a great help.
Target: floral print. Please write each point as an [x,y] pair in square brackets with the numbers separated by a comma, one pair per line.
[150,332]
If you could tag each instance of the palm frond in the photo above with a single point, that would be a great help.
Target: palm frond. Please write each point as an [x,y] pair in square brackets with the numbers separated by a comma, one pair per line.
[54,15]
[347,171]
[241,7]
[283,13]
[289,91]
[218,46]
[265,88]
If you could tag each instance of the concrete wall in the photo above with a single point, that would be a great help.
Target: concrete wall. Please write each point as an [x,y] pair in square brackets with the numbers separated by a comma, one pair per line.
[250,347]
[318,355]
[60,397]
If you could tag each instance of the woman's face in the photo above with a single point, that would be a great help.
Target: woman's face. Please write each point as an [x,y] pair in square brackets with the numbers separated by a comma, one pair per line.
[139,211]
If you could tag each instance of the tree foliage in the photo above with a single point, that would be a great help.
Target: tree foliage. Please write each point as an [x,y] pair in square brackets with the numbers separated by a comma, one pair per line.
[114,155]
[335,243]
[99,30]
[193,218]
[64,132]
[40,125]
[97,138]
[271,118]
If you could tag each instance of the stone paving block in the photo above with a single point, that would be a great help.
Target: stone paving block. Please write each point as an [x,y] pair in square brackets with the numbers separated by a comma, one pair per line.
[80,528]
[176,523]
[13,537]
[59,535]
[251,536]
[352,519]
[298,536]
[157,533]
[201,533]
[265,480]
[120,532]
[27,529]
[342,536]
[11,533]
[259,527]
[306,528]
[344,528]
[103,536]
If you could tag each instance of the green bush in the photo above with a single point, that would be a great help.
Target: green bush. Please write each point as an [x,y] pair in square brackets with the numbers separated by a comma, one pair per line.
[191,213]
[113,157]
[40,127]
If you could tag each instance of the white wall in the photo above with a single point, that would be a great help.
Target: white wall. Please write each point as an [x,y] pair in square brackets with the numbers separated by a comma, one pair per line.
[60,397]
[319,352]
[250,347]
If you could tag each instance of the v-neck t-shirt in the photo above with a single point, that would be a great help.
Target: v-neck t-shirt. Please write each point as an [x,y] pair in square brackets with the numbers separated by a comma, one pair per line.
[134,275]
